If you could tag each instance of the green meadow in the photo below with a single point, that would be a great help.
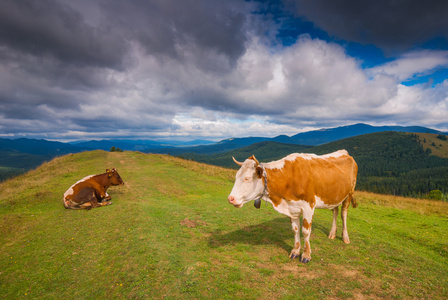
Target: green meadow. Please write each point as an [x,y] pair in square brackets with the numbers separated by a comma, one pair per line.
[171,233]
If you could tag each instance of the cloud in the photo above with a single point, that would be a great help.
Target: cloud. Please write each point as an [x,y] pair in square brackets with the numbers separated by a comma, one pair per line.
[311,80]
[209,69]
[51,28]
[394,26]
[413,64]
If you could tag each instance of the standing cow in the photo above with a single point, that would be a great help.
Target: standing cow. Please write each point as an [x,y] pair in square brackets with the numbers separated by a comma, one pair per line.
[297,184]
[91,191]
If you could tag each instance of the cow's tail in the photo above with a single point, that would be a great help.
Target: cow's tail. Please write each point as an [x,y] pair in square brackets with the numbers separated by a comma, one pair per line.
[352,195]
[353,200]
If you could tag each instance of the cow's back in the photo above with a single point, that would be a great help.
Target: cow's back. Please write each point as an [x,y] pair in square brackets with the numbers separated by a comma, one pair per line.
[304,176]
[86,182]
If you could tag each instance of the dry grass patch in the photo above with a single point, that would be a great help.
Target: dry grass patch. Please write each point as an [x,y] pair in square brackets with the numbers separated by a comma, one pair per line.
[422,206]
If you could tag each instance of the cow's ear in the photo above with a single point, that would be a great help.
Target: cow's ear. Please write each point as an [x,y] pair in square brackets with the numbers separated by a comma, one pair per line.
[109,173]
[259,171]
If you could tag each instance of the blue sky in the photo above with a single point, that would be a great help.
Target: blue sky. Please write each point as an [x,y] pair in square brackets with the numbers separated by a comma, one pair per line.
[212,69]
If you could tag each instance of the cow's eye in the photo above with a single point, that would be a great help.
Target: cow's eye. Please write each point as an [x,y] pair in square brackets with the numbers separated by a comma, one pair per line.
[247,178]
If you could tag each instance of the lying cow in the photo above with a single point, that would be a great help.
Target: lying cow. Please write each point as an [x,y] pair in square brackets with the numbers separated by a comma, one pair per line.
[91,191]
[297,184]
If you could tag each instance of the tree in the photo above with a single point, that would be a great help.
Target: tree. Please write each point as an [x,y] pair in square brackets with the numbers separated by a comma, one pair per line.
[442,137]
[113,149]
[436,195]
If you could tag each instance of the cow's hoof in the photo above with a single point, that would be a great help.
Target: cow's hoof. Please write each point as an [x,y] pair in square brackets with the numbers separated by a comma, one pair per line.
[305,260]
[293,255]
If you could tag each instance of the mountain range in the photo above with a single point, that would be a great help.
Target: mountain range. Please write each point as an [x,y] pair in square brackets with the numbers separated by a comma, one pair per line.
[20,155]
[310,138]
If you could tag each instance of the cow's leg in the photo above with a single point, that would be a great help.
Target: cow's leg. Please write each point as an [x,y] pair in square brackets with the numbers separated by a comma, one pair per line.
[87,198]
[344,211]
[296,228]
[104,203]
[83,199]
[306,231]
[86,205]
[96,203]
[332,234]
[102,195]
[70,205]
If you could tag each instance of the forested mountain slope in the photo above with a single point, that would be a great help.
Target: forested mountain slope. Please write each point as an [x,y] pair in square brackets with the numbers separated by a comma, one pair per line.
[389,162]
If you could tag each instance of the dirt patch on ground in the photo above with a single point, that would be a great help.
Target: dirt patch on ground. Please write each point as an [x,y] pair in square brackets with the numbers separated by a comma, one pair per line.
[341,270]
[191,223]
[300,270]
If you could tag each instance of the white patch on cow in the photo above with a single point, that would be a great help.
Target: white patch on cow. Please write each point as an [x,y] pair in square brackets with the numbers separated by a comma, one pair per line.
[70,191]
[308,156]
[279,164]
[336,154]
[293,209]
[322,204]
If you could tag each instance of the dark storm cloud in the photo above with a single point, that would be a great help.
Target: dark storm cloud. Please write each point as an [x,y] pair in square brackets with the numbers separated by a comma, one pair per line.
[176,28]
[391,25]
[48,27]
[75,60]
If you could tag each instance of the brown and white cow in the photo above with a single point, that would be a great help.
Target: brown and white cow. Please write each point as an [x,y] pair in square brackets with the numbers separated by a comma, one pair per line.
[90,191]
[296,185]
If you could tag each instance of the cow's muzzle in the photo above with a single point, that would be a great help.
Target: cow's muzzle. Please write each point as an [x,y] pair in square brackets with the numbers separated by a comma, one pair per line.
[232,201]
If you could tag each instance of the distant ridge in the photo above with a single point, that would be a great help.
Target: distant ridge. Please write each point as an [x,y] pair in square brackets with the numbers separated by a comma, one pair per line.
[38,147]
[323,136]
[310,138]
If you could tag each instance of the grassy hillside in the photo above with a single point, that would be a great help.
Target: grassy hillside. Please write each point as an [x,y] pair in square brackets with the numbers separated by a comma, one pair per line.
[171,234]
[13,163]
[20,155]
[438,144]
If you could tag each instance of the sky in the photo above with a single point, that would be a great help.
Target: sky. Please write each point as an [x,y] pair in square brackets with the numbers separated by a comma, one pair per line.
[213,69]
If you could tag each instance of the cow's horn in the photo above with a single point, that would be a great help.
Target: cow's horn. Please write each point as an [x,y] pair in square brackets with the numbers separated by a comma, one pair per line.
[253,157]
[237,162]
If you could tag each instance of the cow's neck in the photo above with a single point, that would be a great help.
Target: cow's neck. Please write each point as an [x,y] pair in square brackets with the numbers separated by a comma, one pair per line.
[264,177]
[270,195]
[103,180]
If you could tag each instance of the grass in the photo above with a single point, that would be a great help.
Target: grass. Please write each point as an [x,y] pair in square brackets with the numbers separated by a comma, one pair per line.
[171,234]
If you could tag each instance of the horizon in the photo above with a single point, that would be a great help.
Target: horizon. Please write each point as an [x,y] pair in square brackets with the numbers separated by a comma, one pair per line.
[171,142]
[83,70]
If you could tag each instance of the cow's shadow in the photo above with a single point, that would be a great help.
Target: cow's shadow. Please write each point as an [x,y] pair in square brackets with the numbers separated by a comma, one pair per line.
[277,232]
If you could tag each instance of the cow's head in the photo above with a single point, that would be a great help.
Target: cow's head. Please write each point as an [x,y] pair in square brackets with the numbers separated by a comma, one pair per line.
[248,183]
[114,177]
